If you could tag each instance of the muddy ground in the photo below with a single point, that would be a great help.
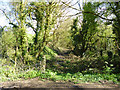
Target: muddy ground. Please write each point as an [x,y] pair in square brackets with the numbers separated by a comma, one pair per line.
[36,83]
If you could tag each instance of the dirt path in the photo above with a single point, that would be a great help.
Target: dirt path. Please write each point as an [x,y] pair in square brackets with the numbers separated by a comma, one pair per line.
[36,83]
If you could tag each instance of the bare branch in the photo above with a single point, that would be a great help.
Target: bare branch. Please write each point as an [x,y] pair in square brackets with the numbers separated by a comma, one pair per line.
[70,6]
[6,15]
[80,11]
[99,16]
[16,16]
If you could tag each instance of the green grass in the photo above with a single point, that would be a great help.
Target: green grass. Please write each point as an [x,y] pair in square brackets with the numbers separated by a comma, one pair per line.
[8,73]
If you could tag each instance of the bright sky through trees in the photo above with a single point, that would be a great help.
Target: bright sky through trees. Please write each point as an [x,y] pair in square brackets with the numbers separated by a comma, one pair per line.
[4,6]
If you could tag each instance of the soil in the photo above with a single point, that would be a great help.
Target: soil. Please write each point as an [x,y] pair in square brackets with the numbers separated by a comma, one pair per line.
[36,83]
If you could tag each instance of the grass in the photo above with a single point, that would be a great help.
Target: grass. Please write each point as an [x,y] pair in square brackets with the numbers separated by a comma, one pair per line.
[8,73]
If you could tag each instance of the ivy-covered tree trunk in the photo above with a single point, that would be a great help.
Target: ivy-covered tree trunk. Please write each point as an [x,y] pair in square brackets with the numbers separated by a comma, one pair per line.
[22,29]
[19,30]
[45,16]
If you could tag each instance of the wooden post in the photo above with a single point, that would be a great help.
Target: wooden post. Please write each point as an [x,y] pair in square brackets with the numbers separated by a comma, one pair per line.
[43,64]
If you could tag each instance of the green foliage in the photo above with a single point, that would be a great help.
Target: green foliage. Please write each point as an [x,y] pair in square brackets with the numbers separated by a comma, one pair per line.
[10,73]
[7,44]
[7,72]
[112,10]
[83,37]
[49,51]
[50,75]
[61,36]
[45,17]
[23,54]
[21,47]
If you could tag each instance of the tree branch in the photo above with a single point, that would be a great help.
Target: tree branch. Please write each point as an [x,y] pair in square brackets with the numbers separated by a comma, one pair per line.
[106,37]
[6,15]
[117,45]
[80,11]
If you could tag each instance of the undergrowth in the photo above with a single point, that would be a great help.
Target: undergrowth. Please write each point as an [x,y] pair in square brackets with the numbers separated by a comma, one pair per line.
[8,73]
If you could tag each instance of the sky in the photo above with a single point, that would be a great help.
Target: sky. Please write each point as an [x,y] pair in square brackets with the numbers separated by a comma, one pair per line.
[4,5]
[65,0]
[3,20]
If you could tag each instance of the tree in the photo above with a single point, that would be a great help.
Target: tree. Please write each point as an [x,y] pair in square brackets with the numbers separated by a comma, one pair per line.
[20,14]
[83,37]
[7,43]
[116,23]
[109,12]
[17,18]
[111,16]
[44,14]
[62,36]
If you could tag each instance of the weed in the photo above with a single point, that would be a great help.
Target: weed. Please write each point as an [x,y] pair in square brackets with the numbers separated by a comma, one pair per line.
[10,73]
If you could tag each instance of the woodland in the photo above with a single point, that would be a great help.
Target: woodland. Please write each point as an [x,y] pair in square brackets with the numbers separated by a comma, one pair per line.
[46,39]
